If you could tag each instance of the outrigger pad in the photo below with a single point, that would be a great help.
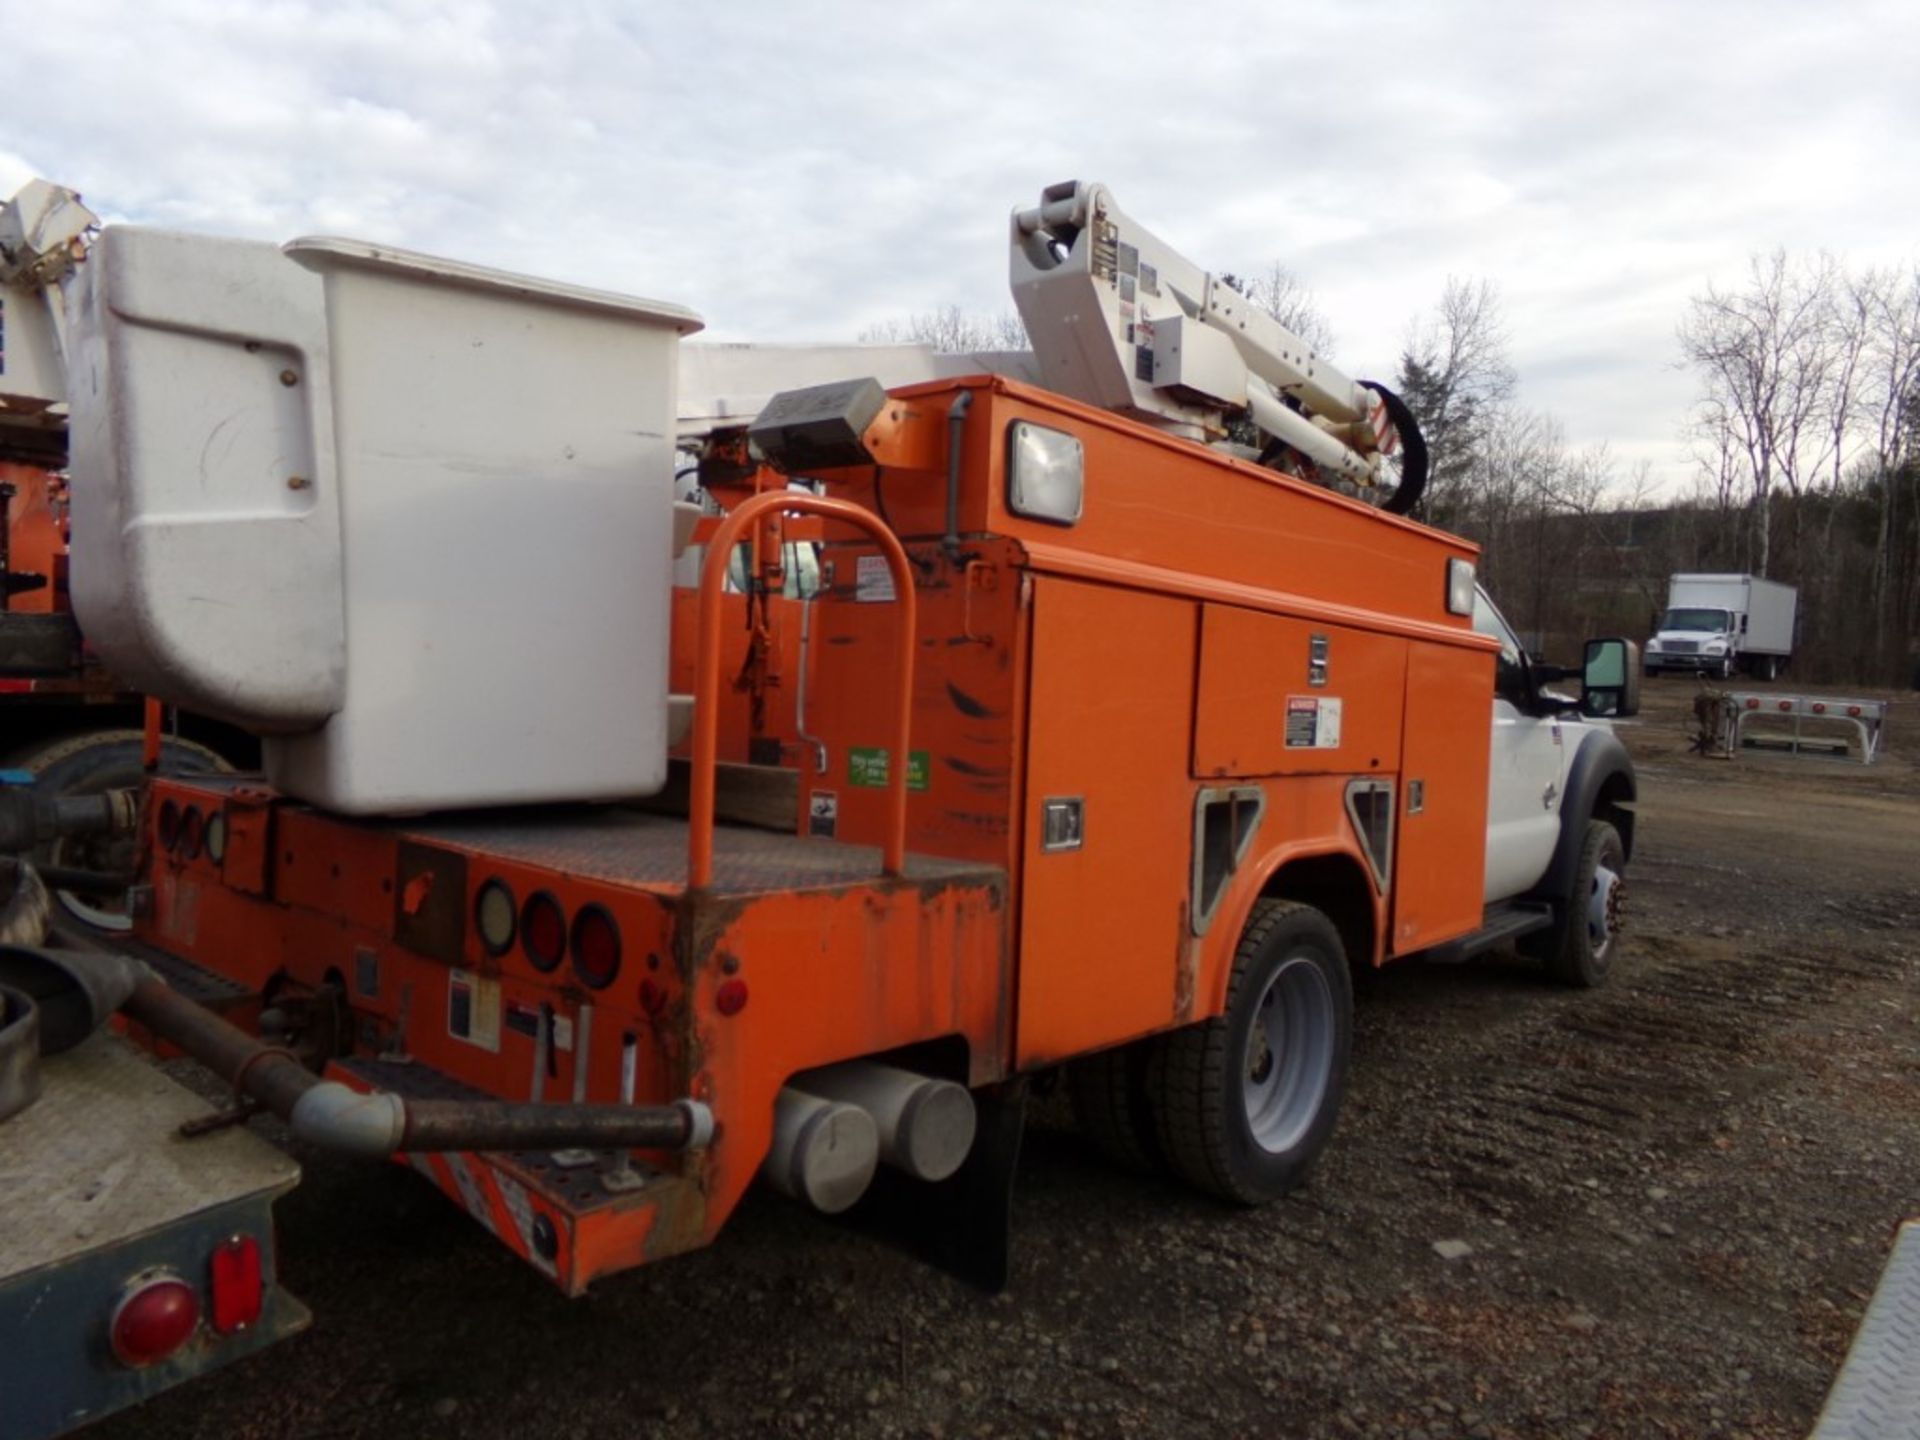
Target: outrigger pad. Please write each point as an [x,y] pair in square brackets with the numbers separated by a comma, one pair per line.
[963,1224]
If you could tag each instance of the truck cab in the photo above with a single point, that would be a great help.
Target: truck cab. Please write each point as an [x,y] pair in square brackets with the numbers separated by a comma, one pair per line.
[1560,791]
[1699,638]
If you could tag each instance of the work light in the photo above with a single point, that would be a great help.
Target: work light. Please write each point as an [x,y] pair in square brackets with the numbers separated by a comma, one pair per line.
[1044,473]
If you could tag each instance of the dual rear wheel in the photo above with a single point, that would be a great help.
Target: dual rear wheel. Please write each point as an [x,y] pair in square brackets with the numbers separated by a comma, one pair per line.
[1241,1105]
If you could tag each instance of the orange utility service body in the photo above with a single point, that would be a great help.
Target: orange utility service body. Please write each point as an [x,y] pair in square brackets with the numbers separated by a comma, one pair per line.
[1200,675]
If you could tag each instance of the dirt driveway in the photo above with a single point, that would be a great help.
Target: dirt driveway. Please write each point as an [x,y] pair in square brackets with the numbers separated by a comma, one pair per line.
[1677,1193]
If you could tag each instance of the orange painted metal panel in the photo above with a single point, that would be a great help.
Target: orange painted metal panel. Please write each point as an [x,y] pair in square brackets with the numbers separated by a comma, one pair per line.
[1103,928]
[1259,711]
[967,708]
[1441,851]
[37,536]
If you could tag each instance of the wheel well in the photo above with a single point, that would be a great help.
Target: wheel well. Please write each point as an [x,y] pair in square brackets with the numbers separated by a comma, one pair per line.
[1339,887]
[1614,804]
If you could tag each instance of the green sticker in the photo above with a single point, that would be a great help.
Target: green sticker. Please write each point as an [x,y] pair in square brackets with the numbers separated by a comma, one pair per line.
[867,765]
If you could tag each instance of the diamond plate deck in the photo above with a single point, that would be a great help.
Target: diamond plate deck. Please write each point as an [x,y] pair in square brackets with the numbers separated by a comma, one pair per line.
[1877,1396]
[98,1159]
[633,847]
[629,847]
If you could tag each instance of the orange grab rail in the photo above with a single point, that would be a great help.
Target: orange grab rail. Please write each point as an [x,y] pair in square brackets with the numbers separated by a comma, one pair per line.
[706,679]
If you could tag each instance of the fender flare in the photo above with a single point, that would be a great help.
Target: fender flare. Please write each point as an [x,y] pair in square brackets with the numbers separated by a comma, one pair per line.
[1254,885]
[1600,759]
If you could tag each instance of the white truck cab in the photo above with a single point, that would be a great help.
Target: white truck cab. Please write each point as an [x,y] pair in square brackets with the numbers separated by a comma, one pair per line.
[1560,788]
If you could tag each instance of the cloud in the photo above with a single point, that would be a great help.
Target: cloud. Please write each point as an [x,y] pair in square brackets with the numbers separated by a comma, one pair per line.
[798,170]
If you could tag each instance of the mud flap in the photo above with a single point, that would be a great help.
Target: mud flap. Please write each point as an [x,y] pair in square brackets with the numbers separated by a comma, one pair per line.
[964,1224]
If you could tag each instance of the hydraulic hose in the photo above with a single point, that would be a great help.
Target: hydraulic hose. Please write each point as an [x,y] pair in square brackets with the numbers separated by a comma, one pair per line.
[1413,447]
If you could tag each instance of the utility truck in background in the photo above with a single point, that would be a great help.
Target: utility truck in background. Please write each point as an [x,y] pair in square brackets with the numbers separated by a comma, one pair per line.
[1718,624]
[1097,740]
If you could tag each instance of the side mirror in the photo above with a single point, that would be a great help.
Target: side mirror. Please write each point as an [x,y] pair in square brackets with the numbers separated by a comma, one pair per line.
[1610,679]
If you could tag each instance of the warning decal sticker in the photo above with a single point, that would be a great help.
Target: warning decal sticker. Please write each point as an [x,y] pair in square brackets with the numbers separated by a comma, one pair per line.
[872,580]
[1313,722]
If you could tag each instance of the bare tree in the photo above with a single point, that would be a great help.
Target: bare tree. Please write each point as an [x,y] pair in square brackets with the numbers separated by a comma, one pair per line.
[953,330]
[1454,374]
[1889,306]
[1764,355]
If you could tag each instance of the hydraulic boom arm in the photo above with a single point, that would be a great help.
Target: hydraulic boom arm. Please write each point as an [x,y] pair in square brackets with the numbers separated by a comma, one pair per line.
[1119,319]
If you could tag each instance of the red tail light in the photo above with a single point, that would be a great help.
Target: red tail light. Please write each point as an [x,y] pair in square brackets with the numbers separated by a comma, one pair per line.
[596,946]
[730,997]
[543,930]
[158,1314]
[239,1288]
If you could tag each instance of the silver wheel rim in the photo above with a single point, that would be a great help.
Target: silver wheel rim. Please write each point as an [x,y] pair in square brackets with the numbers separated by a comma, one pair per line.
[107,916]
[1289,1057]
[1603,910]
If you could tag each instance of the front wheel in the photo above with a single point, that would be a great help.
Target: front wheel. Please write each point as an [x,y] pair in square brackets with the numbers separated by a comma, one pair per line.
[1243,1104]
[1589,931]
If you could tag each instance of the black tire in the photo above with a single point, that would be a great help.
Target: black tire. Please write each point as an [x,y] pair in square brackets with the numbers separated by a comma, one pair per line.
[88,764]
[1200,1080]
[1109,1095]
[1574,955]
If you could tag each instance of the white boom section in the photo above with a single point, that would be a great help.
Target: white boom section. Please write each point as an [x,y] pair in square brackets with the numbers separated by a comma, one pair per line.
[43,234]
[1121,320]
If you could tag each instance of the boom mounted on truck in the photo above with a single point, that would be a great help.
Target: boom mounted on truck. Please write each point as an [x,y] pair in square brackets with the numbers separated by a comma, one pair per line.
[1111,757]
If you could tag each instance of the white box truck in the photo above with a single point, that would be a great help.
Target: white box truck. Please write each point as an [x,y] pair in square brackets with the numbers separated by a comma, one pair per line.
[1717,624]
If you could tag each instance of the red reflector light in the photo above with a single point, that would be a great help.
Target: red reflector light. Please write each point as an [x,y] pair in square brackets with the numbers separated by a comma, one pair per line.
[238,1285]
[596,946]
[157,1316]
[167,828]
[653,997]
[1818,708]
[1854,710]
[1753,704]
[1785,704]
[731,997]
[193,829]
[543,930]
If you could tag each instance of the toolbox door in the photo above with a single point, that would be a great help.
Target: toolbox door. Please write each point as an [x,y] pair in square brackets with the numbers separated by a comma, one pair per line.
[1440,859]
[1107,822]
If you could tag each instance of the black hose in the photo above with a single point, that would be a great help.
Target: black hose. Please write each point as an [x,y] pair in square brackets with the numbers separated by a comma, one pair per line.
[1413,447]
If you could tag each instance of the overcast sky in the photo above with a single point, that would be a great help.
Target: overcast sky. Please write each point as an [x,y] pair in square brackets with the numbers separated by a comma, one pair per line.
[797,171]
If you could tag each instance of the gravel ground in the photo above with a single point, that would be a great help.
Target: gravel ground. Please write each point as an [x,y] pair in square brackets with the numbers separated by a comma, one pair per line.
[1653,1210]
